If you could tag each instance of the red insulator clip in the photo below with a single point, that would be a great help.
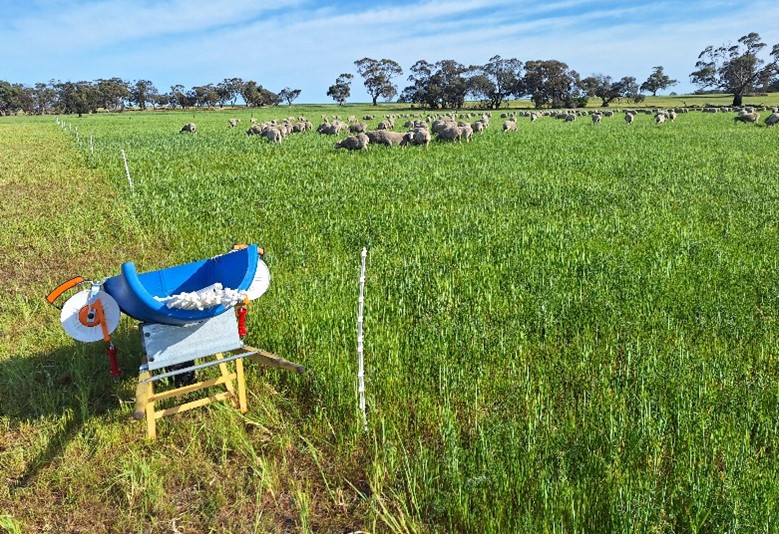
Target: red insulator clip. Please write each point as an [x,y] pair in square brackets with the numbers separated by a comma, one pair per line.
[242,321]
[111,351]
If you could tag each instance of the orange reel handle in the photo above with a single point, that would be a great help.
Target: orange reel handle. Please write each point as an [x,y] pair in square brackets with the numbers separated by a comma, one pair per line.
[64,286]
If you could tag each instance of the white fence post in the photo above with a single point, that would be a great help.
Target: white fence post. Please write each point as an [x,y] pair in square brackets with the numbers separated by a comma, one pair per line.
[361,368]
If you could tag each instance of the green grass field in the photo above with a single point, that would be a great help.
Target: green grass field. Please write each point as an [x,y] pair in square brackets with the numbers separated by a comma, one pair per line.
[569,328]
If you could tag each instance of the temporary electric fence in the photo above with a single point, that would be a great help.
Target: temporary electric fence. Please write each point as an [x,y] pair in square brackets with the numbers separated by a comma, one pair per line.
[127,171]
[360,345]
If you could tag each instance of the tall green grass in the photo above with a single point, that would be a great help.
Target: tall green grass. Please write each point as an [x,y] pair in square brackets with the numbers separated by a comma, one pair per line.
[568,328]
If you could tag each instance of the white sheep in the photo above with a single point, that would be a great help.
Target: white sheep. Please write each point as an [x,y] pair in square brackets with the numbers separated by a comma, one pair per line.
[189,127]
[354,142]
[272,134]
[746,116]
[386,137]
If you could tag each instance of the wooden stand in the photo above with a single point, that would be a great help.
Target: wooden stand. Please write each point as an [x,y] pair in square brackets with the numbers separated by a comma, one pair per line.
[206,343]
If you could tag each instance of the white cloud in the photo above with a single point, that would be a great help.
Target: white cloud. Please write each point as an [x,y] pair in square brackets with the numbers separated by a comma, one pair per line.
[292,44]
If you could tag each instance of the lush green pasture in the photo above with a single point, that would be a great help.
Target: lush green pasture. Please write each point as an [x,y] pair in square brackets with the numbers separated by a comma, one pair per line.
[569,328]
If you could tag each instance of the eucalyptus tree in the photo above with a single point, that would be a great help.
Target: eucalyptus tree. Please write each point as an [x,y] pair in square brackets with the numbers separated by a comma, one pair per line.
[228,90]
[445,84]
[112,93]
[341,89]
[657,81]
[143,92]
[289,95]
[378,75]
[550,83]
[603,87]
[498,80]
[736,69]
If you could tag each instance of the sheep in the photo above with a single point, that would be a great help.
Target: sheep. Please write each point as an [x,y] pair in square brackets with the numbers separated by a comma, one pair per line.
[254,129]
[331,128]
[660,117]
[189,127]
[533,117]
[272,134]
[596,118]
[467,132]
[419,136]
[386,137]
[253,120]
[746,116]
[510,125]
[357,127]
[440,125]
[478,126]
[233,122]
[354,142]
[772,119]
[455,133]
[570,117]
[629,117]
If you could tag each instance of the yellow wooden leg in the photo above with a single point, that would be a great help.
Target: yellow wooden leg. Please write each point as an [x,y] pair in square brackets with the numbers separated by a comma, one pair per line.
[241,386]
[142,393]
[229,383]
[151,420]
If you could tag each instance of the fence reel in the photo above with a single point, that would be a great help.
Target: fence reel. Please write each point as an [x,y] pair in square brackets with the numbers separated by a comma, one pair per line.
[89,315]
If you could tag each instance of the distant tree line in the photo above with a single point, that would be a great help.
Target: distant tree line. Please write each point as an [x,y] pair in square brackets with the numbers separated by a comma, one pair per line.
[447,84]
[116,94]
[734,69]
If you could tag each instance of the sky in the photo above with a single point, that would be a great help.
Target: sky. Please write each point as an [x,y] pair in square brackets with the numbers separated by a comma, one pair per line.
[306,44]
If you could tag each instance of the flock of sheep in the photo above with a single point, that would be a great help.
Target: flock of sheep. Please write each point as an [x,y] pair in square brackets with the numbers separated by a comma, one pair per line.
[420,130]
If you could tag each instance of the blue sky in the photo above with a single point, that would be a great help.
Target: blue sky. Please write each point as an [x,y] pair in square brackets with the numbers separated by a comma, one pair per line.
[306,44]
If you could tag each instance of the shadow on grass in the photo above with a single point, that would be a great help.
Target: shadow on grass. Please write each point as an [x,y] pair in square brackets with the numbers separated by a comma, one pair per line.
[56,393]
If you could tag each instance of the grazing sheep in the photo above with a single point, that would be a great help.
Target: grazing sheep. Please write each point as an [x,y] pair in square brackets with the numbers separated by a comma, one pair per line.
[419,136]
[478,126]
[274,135]
[629,117]
[354,142]
[660,117]
[510,125]
[233,122]
[570,117]
[455,133]
[386,137]
[466,132]
[331,128]
[596,117]
[357,127]
[189,127]
[772,119]
[746,116]
[440,125]
[254,129]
